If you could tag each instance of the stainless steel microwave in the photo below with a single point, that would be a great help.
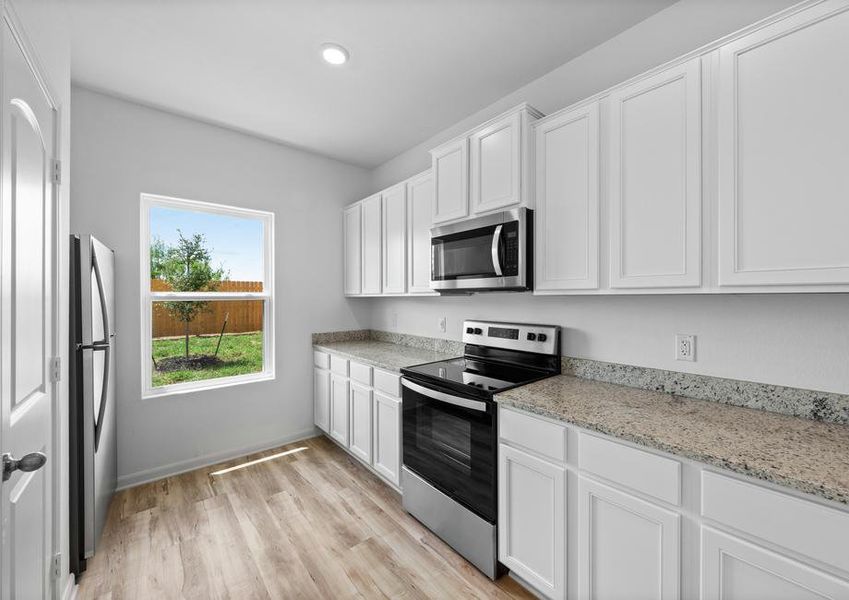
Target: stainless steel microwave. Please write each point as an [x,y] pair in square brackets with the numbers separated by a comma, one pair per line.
[491,253]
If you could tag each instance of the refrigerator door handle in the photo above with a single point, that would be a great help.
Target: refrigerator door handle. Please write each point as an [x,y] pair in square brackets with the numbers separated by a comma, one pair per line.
[101,345]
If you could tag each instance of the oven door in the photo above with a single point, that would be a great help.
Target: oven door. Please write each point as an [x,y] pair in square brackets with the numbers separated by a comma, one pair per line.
[450,442]
[479,254]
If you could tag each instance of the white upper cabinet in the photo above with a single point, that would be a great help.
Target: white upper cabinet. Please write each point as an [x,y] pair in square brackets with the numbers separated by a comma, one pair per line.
[352,223]
[371,231]
[567,200]
[784,152]
[495,154]
[395,239]
[419,222]
[654,180]
[451,180]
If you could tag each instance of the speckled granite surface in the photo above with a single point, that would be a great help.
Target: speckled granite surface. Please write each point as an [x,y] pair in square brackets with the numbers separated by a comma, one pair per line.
[809,404]
[384,355]
[810,456]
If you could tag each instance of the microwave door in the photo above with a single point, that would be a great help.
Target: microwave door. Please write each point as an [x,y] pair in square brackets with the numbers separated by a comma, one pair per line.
[467,256]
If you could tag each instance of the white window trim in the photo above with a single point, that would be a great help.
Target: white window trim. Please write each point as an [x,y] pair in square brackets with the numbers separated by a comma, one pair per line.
[148,201]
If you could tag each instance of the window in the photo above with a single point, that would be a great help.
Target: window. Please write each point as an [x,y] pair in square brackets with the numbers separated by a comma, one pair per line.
[207,288]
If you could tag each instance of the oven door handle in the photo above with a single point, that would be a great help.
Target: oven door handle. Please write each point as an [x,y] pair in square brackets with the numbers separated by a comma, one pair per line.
[443,397]
[496,242]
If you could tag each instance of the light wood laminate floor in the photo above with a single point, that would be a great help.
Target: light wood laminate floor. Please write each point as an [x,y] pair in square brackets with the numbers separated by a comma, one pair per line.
[311,524]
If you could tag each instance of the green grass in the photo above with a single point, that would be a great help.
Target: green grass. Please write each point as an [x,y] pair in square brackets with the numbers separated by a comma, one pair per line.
[240,353]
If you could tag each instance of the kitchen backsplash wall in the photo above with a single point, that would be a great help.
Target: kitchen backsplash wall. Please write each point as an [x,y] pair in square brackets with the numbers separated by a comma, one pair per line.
[785,340]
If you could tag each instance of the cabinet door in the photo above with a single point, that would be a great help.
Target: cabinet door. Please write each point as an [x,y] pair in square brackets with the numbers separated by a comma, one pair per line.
[655,180]
[451,181]
[395,240]
[733,569]
[352,222]
[628,548]
[495,165]
[360,433]
[321,398]
[567,188]
[387,437]
[372,228]
[419,222]
[339,408]
[532,519]
[783,152]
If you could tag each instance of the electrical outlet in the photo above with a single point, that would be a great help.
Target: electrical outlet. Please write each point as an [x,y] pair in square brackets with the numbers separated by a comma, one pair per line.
[443,324]
[685,347]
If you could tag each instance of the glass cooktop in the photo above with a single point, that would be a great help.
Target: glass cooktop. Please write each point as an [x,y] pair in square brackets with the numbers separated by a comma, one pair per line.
[483,376]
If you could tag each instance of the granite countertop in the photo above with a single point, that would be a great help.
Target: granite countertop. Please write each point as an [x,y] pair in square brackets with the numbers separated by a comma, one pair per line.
[384,355]
[810,456]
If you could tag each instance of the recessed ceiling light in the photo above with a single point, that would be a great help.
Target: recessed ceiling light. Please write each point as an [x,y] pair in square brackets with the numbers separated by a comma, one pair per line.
[334,54]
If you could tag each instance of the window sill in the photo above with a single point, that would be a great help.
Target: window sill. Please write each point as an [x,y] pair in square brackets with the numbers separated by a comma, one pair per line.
[205,385]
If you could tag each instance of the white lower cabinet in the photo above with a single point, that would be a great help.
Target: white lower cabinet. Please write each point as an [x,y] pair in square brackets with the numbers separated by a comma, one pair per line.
[387,436]
[734,569]
[652,526]
[339,408]
[321,398]
[629,549]
[531,516]
[361,407]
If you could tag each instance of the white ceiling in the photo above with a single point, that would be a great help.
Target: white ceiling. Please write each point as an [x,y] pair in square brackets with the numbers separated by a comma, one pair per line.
[417,66]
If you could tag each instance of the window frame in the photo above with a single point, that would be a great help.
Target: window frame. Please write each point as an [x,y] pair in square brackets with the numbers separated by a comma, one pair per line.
[148,297]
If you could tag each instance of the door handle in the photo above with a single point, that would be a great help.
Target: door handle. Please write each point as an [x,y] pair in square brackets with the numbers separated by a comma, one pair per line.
[30,462]
[443,397]
[496,242]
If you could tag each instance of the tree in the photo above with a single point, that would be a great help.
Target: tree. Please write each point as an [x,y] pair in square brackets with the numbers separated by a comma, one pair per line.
[186,267]
[158,255]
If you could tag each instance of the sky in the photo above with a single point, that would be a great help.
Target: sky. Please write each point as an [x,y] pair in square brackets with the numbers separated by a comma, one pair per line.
[233,242]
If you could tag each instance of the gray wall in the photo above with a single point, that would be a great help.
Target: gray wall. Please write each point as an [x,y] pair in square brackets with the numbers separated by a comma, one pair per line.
[120,150]
[796,340]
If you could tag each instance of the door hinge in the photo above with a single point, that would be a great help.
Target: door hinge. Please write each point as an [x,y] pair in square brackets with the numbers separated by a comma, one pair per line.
[57,171]
[55,369]
[56,571]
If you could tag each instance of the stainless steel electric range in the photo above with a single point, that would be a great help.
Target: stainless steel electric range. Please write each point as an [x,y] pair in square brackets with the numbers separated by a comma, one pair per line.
[450,439]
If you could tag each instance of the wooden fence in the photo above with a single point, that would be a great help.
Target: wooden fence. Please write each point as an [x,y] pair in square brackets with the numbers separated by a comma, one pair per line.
[245,315]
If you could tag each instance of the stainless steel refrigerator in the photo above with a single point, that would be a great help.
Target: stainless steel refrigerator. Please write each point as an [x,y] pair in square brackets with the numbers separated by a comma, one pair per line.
[92,411]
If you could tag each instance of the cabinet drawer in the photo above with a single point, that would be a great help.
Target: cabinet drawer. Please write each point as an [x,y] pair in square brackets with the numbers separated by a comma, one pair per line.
[542,437]
[388,383]
[360,372]
[321,359]
[814,530]
[654,475]
[339,365]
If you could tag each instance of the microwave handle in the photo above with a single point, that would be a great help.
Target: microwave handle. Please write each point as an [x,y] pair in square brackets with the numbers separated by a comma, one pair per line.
[496,242]
[443,397]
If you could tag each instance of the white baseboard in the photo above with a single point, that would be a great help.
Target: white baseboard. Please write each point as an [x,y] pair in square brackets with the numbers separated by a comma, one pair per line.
[71,588]
[183,466]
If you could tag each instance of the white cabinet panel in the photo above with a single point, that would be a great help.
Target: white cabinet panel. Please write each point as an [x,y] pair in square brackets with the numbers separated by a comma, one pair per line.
[339,408]
[567,201]
[733,569]
[495,164]
[387,437]
[360,433]
[531,517]
[419,221]
[783,152]
[628,548]
[321,398]
[451,181]
[352,223]
[655,180]
[372,229]
[395,240]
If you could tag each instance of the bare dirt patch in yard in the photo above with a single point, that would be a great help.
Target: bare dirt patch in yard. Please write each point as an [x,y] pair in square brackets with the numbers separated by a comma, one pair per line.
[194,363]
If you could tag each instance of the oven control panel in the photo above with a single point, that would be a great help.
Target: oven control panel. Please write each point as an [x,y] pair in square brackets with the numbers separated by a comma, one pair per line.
[543,339]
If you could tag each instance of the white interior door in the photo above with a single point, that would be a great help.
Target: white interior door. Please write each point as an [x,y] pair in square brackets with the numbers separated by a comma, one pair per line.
[26,306]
